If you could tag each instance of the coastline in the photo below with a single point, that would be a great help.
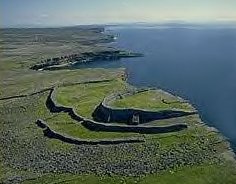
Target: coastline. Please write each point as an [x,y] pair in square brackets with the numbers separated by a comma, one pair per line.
[209,124]
[197,146]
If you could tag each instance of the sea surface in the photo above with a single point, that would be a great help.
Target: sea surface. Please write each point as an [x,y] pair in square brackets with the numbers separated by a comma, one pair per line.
[196,63]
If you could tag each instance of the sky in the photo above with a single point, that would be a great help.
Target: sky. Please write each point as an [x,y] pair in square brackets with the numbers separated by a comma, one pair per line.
[76,12]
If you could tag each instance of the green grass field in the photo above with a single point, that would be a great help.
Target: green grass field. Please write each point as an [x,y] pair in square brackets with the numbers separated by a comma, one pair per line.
[62,123]
[202,174]
[152,100]
[85,97]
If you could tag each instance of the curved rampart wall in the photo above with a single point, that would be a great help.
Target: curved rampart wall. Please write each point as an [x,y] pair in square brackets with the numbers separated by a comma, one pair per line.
[55,135]
[106,113]
[54,107]
[95,126]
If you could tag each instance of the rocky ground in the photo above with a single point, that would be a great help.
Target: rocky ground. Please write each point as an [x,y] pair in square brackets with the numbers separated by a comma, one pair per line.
[27,149]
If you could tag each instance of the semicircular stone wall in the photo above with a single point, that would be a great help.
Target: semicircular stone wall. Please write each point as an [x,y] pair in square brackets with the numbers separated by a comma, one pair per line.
[106,113]
[92,125]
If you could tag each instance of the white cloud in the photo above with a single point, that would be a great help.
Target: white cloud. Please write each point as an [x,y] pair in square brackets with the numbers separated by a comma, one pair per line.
[44,16]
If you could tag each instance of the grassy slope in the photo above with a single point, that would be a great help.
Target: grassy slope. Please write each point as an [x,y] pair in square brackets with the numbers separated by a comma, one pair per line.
[152,100]
[86,97]
[30,81]
[62,123]
[202,174]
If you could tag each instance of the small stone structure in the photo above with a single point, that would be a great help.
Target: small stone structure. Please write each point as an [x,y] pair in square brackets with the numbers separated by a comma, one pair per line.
[135,119]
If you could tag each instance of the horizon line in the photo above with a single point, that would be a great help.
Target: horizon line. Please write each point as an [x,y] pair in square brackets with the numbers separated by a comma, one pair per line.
[184,22]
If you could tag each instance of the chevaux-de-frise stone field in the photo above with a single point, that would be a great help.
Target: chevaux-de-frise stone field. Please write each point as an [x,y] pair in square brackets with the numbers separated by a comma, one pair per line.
[65,125]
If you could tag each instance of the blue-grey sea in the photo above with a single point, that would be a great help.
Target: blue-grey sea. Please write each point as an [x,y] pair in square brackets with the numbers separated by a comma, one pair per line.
[196,63]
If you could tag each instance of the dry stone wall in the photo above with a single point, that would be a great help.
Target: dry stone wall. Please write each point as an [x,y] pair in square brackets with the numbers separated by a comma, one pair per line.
[55,135]
[105,113]
[54,107]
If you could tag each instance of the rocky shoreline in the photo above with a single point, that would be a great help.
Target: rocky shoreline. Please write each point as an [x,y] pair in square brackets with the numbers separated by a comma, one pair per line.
[85,57]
